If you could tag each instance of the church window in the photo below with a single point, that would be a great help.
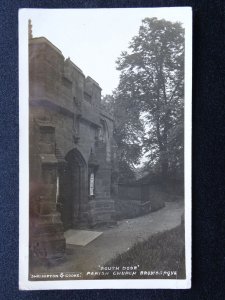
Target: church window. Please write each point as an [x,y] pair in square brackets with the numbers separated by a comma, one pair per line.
[92,184]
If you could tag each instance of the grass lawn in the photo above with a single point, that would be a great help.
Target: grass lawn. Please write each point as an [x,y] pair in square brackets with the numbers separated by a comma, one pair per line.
[163,252]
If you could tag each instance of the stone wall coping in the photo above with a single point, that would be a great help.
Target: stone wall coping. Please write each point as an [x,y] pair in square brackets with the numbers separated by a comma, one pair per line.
[88,78]
[74,66]
[42,39]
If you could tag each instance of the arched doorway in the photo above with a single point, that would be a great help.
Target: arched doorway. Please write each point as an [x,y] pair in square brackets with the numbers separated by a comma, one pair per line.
[73,189]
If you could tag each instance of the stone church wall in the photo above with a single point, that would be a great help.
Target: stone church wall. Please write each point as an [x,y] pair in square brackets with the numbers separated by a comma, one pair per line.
[71,138]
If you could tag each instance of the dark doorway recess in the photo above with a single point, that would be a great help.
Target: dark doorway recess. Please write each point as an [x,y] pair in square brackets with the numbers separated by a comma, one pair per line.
[73,189]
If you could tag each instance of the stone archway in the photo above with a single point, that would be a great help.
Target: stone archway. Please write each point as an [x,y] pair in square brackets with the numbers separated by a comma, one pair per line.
[74,190]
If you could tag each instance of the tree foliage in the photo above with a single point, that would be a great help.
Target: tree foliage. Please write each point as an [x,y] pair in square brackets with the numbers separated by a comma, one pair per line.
[148,104]
[128,134]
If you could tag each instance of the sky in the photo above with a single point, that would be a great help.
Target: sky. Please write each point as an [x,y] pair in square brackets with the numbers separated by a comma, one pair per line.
[95,38]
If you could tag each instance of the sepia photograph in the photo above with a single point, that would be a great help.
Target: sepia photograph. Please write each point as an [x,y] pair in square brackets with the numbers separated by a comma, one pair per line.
[105,148]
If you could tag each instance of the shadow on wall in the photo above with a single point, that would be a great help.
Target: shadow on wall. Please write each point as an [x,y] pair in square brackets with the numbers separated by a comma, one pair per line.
[137,200]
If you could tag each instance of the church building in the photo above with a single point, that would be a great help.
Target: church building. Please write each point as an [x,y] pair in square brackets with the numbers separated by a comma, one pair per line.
[72,152]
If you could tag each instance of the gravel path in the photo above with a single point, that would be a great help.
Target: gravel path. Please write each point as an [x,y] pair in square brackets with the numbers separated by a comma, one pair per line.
[118,239]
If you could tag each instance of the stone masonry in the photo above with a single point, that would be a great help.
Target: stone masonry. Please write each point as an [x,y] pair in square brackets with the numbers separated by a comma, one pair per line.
[72,153]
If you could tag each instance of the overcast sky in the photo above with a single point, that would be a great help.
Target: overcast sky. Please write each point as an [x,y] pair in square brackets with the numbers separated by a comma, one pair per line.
[95,38]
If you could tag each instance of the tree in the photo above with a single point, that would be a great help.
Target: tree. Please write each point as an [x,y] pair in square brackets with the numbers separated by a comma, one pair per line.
[128,133]
[150,94]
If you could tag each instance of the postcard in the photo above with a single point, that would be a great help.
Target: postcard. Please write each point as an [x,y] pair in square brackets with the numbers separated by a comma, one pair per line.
[105,148]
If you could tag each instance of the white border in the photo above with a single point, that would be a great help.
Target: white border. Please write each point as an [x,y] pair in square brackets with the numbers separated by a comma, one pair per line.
[24,283]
